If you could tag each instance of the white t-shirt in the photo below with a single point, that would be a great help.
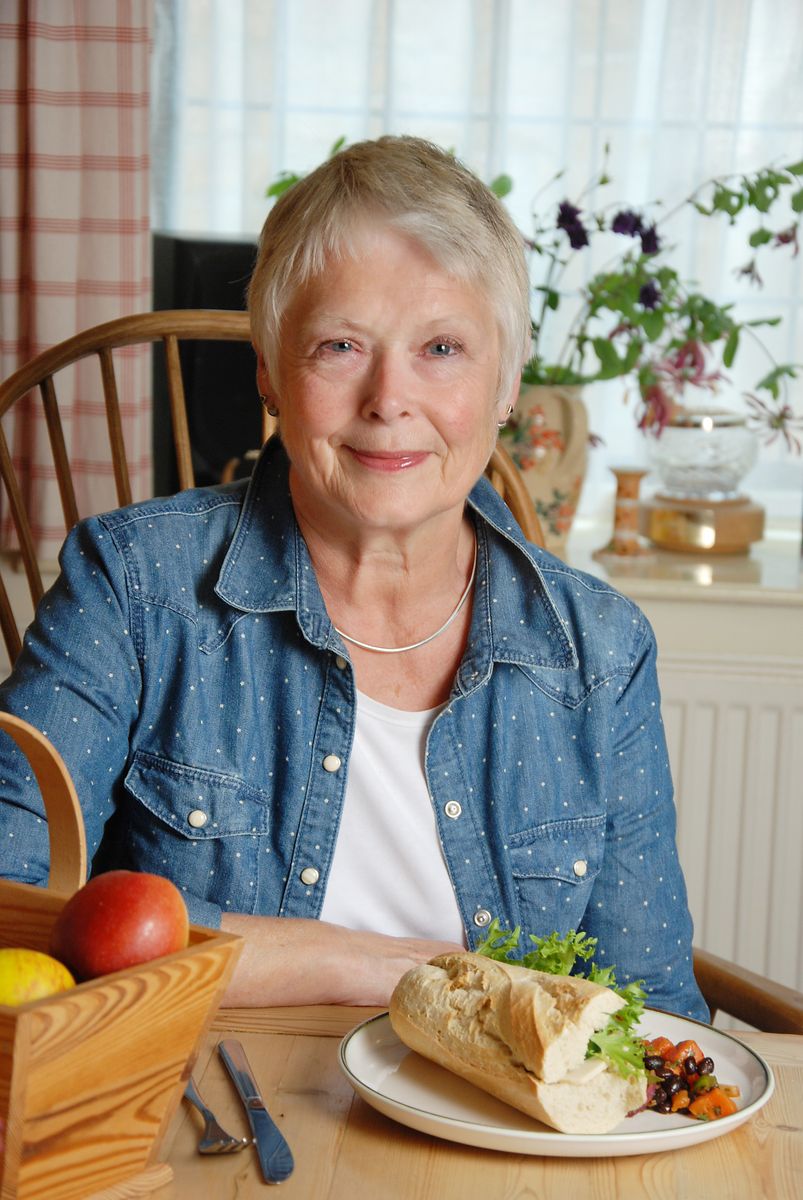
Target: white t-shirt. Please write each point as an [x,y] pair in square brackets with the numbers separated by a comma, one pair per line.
[388,873]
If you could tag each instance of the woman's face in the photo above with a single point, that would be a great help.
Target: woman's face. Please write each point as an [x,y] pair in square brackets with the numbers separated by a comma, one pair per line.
[387,377]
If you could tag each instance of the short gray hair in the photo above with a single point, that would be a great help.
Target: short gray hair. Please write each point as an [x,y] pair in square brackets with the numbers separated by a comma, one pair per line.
[416,188]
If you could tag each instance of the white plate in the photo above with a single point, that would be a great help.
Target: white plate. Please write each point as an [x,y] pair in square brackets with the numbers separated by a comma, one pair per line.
[418,1093]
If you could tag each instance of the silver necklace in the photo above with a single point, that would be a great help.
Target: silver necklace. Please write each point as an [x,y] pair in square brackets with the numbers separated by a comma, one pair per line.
[432,636]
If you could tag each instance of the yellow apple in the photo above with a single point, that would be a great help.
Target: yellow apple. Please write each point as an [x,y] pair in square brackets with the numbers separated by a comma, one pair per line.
[29,975]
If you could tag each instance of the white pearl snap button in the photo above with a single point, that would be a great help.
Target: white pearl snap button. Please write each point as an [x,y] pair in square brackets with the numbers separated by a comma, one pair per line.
[580,867]
[482,918]
[197,818]
[332,763]
[340,662]
[453,809]
[310,875]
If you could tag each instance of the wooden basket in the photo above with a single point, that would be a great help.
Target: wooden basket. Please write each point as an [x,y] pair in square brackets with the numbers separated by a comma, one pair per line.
[90,1078]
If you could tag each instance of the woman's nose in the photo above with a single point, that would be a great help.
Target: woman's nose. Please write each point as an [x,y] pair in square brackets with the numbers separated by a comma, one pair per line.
[387,388]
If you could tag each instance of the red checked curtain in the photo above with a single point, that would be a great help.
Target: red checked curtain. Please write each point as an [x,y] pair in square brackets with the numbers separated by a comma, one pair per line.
[74,228]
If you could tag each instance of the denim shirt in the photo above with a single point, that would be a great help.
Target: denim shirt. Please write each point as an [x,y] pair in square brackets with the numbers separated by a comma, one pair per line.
[185,667]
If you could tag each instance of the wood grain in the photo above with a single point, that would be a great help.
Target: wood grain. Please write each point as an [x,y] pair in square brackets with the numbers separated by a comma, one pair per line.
[99,1070]
[345,1149]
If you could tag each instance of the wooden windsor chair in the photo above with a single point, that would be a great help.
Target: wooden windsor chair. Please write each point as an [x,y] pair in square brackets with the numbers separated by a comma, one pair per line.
[742,994]
[171,328]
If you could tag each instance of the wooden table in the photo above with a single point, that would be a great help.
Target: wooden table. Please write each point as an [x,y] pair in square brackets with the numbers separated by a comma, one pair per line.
[345,1150]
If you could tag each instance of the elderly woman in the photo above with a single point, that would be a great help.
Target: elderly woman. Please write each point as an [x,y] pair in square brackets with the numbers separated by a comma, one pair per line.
[346,706]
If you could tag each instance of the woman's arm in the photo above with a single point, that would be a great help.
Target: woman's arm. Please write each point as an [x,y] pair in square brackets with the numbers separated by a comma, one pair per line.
[289,960]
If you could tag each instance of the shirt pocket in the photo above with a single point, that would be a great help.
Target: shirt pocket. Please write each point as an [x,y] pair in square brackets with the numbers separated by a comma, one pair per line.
[554,866]
[201,828]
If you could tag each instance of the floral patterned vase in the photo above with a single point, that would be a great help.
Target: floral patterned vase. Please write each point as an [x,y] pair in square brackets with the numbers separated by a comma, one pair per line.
[547,438]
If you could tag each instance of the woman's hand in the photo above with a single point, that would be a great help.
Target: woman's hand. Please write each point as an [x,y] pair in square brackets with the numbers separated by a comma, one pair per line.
[290,960]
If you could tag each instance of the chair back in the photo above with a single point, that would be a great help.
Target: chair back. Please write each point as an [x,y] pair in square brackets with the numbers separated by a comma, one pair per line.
[170,328]
[43,374]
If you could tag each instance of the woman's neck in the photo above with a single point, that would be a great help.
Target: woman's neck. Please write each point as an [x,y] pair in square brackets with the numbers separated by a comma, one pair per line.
[393,590]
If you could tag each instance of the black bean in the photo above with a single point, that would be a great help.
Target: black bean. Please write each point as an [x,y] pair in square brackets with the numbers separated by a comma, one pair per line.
[690,1065]
[673,1085]
[653,1061]
[665,1072]
[706,1067]
[663,1106]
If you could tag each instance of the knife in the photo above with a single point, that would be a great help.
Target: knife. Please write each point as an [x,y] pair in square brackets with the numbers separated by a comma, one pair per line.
[275,1157]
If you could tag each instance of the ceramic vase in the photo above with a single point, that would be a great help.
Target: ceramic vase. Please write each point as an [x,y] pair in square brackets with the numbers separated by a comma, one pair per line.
[547,438]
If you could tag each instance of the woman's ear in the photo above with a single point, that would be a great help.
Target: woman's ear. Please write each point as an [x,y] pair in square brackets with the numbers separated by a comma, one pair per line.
[263,378]
[507,402]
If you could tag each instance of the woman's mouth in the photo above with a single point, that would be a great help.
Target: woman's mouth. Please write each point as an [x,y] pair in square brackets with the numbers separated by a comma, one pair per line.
[388,460]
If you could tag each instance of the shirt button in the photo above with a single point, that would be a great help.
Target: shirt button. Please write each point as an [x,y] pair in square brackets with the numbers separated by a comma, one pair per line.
[197,818]
[340,662]
[310,875]
[331,763]
[580,867]
[482,918]
[453,809]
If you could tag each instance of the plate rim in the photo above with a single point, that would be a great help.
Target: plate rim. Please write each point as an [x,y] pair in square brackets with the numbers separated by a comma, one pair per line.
[685,1135]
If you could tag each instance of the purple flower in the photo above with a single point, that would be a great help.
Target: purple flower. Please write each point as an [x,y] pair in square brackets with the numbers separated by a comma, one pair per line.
[569,221]
[650,243]
[627,222]
[649,295]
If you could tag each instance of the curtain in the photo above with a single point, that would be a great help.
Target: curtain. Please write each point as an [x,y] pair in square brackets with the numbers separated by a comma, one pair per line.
[74,230]
[681,90]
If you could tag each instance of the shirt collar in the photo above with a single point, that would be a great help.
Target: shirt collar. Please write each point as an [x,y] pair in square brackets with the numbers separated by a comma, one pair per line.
[267,568]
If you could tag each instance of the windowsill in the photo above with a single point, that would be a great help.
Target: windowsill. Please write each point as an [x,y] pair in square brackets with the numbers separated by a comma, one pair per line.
[773,567]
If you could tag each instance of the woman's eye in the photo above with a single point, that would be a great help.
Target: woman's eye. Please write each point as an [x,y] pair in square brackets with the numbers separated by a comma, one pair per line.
[442,348]
[341,346]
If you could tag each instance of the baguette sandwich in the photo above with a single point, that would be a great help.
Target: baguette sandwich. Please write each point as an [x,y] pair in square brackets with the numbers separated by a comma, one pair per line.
[522,1035]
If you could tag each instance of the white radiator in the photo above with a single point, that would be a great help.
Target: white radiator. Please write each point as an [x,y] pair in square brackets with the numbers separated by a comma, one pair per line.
[735,733]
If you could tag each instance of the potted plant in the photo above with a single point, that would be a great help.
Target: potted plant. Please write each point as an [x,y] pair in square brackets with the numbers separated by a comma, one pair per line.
[638,319]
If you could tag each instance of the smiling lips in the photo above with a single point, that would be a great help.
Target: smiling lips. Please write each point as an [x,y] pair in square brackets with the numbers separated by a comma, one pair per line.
[389,460]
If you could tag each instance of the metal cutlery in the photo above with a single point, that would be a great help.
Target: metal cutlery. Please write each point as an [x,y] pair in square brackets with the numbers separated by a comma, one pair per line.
[275,1157]
[214,1139]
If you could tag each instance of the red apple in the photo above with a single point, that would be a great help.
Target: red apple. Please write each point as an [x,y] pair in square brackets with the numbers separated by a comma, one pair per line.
[117,920]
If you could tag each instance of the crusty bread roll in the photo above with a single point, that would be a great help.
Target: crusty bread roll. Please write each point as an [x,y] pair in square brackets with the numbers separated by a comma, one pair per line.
[520,1035]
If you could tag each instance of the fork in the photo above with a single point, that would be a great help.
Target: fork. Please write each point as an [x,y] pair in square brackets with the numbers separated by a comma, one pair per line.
[214,1139]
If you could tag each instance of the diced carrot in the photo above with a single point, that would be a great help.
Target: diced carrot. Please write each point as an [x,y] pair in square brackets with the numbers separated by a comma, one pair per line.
[688,1049]
[680,1100]
[712,1105]
[659,1045]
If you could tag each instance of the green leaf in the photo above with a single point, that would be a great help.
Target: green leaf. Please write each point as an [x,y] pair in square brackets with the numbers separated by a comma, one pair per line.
[795,168]
[499,943]
[611,365]
[338,145]
[731,346]
[286,180]
[557,955]
[501,186]
[760,237]
[796,201]
[772,382]
[727,201]
[653,325]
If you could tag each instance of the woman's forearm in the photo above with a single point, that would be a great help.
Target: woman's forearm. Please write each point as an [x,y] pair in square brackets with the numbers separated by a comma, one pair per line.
[290,960]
